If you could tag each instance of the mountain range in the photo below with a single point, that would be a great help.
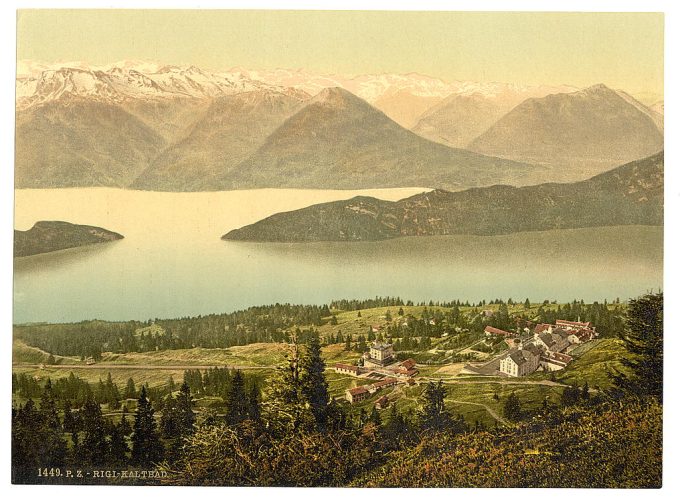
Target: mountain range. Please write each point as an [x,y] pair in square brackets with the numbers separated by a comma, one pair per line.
[154,127]
[627,195]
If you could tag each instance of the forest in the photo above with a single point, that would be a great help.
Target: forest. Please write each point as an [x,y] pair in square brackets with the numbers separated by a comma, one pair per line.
[288,431]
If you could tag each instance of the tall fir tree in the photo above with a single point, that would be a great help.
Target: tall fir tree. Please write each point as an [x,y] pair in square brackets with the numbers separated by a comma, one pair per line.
[314,386]
[237,400]
[643,338]
[146,443]
[94,446]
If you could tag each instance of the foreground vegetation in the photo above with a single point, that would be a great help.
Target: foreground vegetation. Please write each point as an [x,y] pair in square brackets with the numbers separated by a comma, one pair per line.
[285,426]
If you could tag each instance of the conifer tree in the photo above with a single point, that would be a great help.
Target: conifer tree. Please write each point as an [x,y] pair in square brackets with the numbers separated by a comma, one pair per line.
[146,445]
[512,409]
[434,414]
[118,448]
[130,389]
[254,410]
[94,446]
[314,386]
[237,401]
[186,415]
[643,338]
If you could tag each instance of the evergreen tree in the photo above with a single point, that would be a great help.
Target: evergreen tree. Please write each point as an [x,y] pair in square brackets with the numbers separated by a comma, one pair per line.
[186,415]
[69,422]
[512,409]
[434,414]
[643,338]
[348,343]
[130,389]
[374,417]
[254,410]
[314,386]
[146,445]
[237,400]
[94,446]
[118,448]
[401,312]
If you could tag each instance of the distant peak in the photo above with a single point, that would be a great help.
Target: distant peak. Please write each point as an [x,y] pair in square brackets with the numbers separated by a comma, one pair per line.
[336,97]
[597,88]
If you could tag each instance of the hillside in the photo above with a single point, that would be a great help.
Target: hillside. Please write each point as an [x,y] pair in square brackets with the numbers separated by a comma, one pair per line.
[77,142]
[231,129]
[585,132]
[48,236]
[629,194]
[466,114]
[339,141]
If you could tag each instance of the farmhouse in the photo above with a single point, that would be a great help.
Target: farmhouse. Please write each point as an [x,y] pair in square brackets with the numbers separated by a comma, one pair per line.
[492,331]
[347,369]
[551,342]
[555,361]
[379,385]
[382,402]
[357,394]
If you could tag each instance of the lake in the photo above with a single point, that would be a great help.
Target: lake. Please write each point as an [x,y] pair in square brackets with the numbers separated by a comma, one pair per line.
[172,261]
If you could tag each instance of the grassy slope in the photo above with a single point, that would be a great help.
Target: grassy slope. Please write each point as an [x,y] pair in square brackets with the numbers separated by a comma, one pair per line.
[591,365]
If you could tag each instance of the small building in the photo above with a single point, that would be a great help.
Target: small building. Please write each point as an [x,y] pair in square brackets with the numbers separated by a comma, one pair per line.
[381,353]
[555,361]
[357,394]
[382,402]
[492,331]
[347,369]
[407,365]
[379,385]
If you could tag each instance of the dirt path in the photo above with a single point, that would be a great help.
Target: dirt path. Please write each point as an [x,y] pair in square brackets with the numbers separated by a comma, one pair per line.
[452,380]
[491,412]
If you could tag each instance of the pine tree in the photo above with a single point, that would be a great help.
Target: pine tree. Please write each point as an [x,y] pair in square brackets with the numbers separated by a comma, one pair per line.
[643,338]
[314,386]
[348,343]
[118,448]
[237,401]
[512,409]
[94,446]
[374,417]
[434,414]
[146,445]
[186,415]
[130,389]
[254,410]
[69,422]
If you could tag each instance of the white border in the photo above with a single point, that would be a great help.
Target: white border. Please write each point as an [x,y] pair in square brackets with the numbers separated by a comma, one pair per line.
[117,494]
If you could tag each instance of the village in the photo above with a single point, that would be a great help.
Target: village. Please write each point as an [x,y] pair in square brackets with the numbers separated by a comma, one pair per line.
[543,347]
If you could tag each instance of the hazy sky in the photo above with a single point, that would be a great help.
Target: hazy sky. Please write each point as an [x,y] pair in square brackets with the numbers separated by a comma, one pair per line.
[621,50]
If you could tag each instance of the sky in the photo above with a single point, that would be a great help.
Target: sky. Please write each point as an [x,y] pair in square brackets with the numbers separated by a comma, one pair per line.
[621,50]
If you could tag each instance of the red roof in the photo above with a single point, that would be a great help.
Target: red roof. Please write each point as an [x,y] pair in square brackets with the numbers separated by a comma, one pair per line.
[541,327]
[386,381]
[357,391]
[408,363]
[493,330]
[382,401]
[568,322]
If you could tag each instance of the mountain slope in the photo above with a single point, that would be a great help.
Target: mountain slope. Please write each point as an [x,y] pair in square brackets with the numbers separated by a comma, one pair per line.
[49,236]
[586,131]
[629,194]
[338,141]
[231,129]
[466,114]
[79,143]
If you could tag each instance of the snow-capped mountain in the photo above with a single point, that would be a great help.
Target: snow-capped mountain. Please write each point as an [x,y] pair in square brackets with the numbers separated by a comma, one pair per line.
[124,81]
[41,82]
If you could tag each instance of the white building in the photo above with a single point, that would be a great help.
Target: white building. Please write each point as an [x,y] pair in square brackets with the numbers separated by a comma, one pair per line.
[521,362]
[381,353]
